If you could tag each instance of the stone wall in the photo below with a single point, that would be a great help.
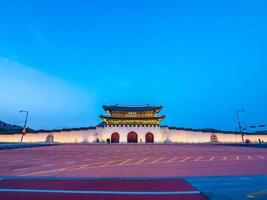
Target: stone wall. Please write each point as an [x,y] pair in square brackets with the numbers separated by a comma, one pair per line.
[161,135]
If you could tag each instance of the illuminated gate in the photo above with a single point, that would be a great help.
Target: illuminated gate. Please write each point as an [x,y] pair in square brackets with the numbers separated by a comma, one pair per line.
[149,138]
[115,138]
[132,137]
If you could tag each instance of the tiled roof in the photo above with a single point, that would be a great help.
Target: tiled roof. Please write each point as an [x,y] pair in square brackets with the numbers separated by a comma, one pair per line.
[132,118]
[118,107]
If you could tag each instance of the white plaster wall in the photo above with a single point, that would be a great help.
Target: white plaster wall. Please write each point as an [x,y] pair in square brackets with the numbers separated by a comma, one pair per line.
[161,134]
[187,136]
[81,136]
[78,136]
[184,136]
[254,138]
[106,132]
[229,138]
[10,138]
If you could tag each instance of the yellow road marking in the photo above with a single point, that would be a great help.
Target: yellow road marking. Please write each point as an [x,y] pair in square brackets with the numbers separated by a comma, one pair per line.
[82,167]
[107,163]
[139,162]
[61,169]
[197,159]
[212,158]
[185,159]
[124,162]
[173,159]
[157,160]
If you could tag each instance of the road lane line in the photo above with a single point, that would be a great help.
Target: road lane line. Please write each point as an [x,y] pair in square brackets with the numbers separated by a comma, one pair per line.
[48,165]
[70,162]
[106,164]
[157,160]
[171,160]
[185,159]
[139,162]
[124,162]
[212,158]
[15,161]
[21,169]
[197,159]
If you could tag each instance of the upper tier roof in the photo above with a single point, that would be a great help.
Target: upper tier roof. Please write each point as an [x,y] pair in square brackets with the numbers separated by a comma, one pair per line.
[118,107]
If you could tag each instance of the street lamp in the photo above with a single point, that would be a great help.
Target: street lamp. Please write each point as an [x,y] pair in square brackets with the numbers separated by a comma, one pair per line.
[239,124]
[25,123]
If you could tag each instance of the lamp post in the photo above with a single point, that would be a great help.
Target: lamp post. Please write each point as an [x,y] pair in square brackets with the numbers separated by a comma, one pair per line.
[239,124]
[25,123]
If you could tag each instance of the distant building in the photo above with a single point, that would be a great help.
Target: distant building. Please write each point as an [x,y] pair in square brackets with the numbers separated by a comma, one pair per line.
[129,124]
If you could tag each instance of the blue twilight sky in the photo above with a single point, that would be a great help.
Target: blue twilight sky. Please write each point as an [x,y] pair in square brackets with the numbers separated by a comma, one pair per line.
[201,60]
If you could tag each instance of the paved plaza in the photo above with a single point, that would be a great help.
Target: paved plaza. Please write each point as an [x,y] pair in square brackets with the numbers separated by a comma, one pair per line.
[205,167]
[133,160]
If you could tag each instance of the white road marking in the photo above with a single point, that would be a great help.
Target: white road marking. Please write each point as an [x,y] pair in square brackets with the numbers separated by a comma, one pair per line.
[173,159]
[197,159]
[140,161]
[21,169]
[124,162]
[185,159]
[70,162]
[14,161]
[97,192]
[157,160]
[107,163]
[48,165]
[212,158]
